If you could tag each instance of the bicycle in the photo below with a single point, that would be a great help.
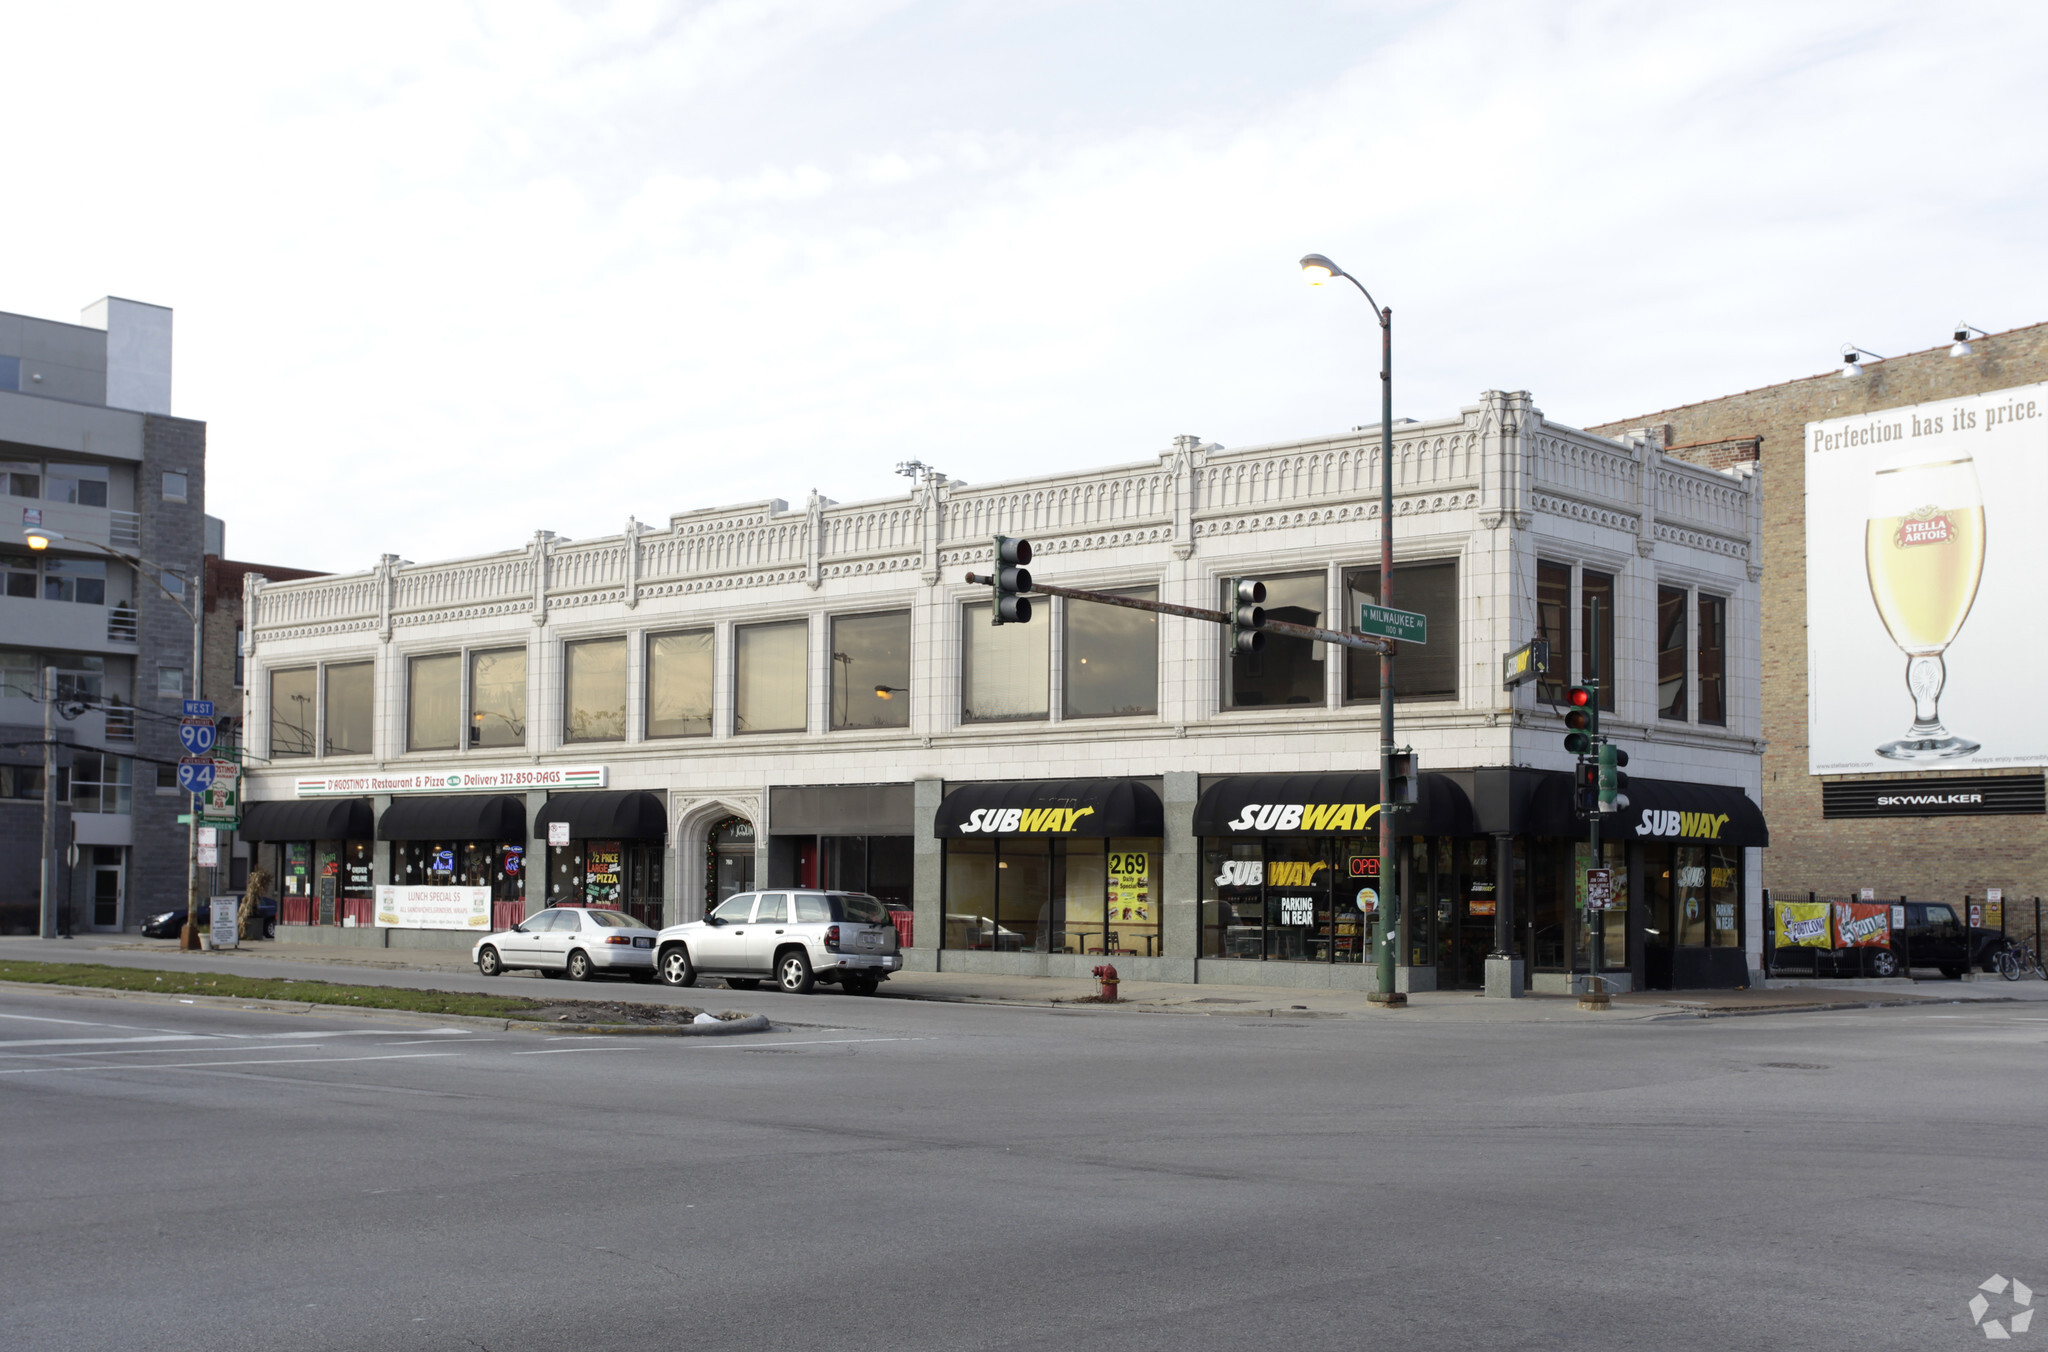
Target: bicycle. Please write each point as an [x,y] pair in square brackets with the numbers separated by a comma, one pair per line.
[2018,959]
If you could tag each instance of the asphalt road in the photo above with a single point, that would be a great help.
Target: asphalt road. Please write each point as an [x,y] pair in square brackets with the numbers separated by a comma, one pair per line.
[910,1176]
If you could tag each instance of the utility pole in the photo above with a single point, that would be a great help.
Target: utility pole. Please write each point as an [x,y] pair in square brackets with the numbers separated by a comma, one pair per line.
[48,927]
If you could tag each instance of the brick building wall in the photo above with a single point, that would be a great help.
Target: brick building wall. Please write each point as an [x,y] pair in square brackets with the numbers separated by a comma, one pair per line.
[1933,857]
[173,536]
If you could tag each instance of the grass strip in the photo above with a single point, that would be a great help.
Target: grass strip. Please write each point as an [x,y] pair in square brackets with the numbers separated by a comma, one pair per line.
[99,976]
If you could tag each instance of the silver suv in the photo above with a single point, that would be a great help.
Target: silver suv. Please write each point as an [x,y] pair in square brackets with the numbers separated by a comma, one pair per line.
[797,938]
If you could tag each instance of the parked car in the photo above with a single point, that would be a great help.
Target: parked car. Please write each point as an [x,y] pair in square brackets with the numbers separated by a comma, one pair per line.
[798,938]
[574,941]
[167,924]
[1934,936]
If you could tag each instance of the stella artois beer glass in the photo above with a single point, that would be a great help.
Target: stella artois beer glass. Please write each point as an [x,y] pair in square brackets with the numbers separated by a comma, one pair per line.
[1923,548]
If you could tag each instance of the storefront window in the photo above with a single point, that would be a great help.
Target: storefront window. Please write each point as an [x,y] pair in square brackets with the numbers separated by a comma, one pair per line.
[1427,672]
[1288,898]
[350,701]
[292,711]
[1005,670]
[1713,660]
[497,697]
[1671,627]
[679,668]
[1724,897]
[1035,895]
[769,676]
[1112,658]
[1596,590]
[1290,670]
[877,865]
[871,670]
[594,696]
[433,705]
[1689,896]
[497,865]
[624,875]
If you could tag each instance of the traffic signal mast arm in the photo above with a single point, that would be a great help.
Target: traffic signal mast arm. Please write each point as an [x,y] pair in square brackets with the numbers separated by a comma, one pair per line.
[1223,617]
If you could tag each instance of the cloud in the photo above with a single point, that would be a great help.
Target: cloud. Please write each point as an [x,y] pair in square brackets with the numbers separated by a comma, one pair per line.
[445,275]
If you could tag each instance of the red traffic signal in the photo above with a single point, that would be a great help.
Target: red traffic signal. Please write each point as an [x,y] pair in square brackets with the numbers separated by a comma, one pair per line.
[1578,697]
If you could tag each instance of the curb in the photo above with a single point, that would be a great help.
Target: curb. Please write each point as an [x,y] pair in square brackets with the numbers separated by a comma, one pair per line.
[1917,1002]
[753,1023]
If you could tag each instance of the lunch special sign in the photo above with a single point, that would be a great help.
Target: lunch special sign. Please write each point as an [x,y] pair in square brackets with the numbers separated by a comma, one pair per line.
[441,908]
[452,781]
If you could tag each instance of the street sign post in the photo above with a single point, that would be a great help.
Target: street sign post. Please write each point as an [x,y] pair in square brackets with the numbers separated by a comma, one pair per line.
[1386,622]
[195,773]
[196,734]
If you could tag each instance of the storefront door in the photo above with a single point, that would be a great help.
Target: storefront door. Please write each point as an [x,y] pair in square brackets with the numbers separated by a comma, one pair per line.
[106,886]
[1659,927]
[1465,908]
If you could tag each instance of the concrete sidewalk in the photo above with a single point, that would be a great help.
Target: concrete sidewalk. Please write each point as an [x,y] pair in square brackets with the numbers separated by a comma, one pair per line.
[362,964]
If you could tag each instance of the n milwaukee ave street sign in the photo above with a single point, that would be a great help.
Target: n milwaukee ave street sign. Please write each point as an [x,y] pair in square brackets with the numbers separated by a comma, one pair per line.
[1387,622]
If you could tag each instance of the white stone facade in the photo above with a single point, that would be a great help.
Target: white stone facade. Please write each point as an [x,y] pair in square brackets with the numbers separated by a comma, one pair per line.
[1495,487]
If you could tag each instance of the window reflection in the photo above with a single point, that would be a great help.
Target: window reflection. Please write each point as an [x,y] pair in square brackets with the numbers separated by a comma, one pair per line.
[349,705]
[871,670]
[292,711]
[1290,670]
[769,669]
[433,703]
[1112,658]
[679,670]
[1427,672]
[594,690]
[497,698]
[1005,670]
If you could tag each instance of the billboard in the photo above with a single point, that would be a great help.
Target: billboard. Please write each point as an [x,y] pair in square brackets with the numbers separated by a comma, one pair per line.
[1924,642]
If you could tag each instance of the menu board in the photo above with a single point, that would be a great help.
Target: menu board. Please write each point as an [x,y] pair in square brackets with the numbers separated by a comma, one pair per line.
[1130,887]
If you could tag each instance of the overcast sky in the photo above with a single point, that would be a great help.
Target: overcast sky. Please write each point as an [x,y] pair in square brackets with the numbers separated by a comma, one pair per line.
[446,274]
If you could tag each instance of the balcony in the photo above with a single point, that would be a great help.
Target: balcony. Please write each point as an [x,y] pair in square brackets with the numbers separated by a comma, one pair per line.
[121,627]
[120,723]
[124,529]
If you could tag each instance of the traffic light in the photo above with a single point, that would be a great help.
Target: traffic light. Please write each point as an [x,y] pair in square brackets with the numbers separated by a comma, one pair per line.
[1586,787]
[1009,579]
[1247,616]
[1612,780]
[1580,719]
[1404,779]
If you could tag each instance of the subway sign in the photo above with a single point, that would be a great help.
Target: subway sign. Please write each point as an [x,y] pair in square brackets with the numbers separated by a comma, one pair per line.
[1023,821]
[1682,825]
[1303,817]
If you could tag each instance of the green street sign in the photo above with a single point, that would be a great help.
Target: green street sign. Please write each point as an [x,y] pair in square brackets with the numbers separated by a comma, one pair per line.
[1387,622]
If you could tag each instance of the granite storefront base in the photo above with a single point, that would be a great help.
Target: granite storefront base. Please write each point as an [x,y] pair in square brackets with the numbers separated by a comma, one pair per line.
[369,936]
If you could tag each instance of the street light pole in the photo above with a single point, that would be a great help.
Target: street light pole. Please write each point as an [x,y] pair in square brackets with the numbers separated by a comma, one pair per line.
[1392,912]
[40,540]
[47,928]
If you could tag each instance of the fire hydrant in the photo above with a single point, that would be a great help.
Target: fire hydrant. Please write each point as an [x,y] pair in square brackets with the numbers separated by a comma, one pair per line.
[1106,974]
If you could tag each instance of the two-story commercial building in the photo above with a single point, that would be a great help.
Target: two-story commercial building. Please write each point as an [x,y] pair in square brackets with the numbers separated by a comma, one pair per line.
[759,696]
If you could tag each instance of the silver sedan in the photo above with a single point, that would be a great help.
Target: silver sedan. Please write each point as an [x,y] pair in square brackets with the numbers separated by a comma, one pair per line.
[576,941]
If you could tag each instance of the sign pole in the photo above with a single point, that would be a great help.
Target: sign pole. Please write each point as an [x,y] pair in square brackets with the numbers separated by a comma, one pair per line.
[47,927]
[1394,911]
[1596,982]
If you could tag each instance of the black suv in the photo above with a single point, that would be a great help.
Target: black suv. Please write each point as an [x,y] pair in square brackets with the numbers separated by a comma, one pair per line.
[1934,937]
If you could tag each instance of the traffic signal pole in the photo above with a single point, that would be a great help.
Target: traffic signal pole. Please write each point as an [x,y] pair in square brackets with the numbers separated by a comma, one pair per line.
[1223,617]
[1594,981]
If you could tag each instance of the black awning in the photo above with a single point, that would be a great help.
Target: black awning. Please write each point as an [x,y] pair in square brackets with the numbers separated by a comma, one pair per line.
[309,819]
[455,816]
[1659,810]
[1325,805]
[617,814]
[1051,807]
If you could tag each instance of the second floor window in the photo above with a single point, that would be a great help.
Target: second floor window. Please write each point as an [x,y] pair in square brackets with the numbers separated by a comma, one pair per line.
[680,671]
[1713,659]
[1427,672]
[871,670]
[1671,626]
[1290,670]
[769,666]
[594,704]
[350,701]
[433,703]
[292,711]
[497,697]
[1596,662]
[1005,670]
[1111,659]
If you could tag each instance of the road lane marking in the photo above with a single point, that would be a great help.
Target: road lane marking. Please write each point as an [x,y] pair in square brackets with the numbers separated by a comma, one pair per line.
[82,1041]
[550,1051]
[827,1042]
[202,1065]
[137,1051]
[76,1023]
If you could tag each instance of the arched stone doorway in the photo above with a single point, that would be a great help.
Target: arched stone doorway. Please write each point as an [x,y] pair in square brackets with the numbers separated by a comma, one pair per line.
[700,842]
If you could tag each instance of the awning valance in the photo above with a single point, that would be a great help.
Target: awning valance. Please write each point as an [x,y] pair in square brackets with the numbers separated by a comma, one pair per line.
[1659,810]
[1325,805]
[309,819]
[455,816]
[1052,807]
[619,814]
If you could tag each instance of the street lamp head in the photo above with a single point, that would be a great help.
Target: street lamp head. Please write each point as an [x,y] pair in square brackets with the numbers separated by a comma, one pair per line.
[39,538]
[1318,269]
[884,692]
